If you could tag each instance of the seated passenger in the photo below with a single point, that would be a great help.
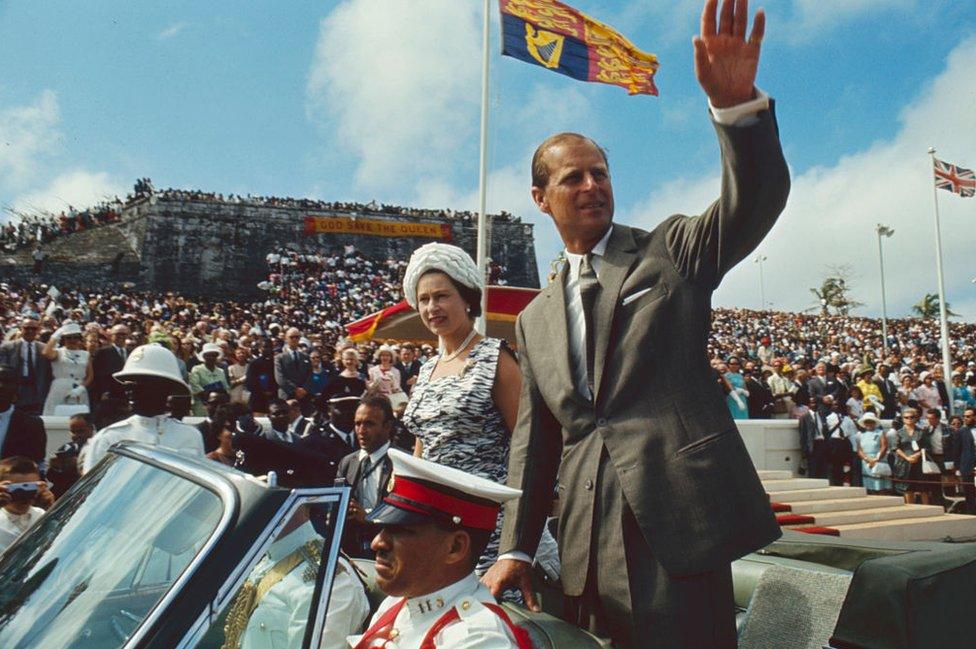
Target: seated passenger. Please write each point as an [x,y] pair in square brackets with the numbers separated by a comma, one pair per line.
[271,609]
[433,526]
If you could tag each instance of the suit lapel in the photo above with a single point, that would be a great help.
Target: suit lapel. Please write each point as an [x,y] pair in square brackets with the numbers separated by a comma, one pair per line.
[554,314]
[357,470]
[616,263]
[385,472]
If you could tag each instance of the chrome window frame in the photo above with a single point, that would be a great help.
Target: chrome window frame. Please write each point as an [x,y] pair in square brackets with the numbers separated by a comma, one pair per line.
[297,498]
[213,482]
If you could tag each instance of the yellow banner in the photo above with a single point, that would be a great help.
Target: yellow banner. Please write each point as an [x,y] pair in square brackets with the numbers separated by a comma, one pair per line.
[376,227]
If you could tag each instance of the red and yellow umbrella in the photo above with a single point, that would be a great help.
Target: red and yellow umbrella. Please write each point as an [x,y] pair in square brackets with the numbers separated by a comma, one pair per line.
[403,323]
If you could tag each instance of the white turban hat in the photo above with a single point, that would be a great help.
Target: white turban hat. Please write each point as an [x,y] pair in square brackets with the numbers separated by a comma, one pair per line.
[443,257]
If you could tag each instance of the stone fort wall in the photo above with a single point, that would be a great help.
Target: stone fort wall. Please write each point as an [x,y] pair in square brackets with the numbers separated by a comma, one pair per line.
[213,249]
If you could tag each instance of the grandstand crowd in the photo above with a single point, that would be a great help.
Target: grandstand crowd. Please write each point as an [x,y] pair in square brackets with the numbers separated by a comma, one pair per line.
[829,368]
[33,228]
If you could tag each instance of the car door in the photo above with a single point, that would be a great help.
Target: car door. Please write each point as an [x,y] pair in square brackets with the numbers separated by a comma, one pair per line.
[279,594]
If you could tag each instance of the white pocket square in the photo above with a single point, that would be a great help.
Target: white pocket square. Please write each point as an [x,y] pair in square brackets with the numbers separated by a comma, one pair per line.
[630,298]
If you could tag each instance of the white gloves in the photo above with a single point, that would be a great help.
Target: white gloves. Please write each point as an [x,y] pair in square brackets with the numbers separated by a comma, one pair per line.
[77,392]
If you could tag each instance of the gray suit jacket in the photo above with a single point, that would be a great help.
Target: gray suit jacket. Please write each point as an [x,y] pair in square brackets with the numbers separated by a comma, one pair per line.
[680,461]
[11,355]
[290,374]
[808,431]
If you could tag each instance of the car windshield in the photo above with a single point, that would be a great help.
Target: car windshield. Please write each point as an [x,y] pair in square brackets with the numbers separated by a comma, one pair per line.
[90,572]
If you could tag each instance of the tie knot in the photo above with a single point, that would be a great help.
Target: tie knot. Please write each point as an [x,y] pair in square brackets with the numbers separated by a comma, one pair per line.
[586,264]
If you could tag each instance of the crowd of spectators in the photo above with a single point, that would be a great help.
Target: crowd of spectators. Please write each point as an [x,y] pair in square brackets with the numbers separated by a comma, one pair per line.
[784,352]
[770,364]
[33,228]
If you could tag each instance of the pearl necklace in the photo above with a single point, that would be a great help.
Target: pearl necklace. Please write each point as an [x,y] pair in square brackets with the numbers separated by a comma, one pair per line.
[457,352]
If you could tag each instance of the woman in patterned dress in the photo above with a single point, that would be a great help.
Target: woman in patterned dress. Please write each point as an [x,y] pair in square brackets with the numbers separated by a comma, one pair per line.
[464,404]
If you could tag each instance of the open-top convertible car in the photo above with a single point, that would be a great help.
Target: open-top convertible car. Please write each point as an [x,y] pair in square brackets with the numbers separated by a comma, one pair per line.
[154,549]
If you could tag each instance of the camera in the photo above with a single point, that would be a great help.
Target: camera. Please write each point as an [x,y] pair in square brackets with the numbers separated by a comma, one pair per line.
[22,492]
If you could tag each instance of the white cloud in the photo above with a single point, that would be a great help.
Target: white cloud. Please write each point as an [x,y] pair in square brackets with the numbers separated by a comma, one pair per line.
[78,188]
[398,83]
[171,31]
[812,17]
[832,211]
[27,134]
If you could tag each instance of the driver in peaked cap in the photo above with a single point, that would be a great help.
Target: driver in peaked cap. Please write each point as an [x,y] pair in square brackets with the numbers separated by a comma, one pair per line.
[150,377]
[432,527]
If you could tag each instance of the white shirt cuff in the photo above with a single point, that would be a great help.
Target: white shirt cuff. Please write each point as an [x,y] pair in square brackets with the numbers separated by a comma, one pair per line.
[743,114]
[517,556]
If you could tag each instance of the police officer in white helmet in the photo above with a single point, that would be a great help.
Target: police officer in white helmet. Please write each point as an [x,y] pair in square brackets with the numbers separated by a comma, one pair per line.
[150,377]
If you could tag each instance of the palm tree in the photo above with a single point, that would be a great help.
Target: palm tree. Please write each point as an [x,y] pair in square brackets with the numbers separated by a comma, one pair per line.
[928,307]
[834,293]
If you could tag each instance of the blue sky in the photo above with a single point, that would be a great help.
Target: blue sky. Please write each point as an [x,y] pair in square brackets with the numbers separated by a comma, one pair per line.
[378,99]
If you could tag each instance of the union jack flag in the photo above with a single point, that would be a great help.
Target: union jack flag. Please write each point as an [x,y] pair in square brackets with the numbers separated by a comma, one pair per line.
[957,180]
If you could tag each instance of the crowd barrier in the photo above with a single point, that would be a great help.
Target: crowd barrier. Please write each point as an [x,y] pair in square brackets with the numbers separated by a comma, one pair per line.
[773,444]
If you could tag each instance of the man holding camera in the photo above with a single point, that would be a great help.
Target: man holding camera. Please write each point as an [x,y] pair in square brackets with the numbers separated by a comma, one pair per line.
[21,491]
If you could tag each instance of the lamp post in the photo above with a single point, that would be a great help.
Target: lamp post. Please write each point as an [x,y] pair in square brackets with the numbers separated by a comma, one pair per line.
[759,259]
[883,231]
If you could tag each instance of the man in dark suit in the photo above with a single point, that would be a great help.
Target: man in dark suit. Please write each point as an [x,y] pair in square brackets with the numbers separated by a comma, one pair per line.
[838,384]
[21,433]
[279,449]
[207,431]
[292,368]
[106,361]
[964,448]
[408,366]
[658,493]
[817,387]
[367,471]
[889,392]
[32,368]
[813,428]
[760,396]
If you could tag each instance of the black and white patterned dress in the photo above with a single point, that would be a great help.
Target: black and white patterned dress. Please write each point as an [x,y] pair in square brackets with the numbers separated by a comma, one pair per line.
[457,422]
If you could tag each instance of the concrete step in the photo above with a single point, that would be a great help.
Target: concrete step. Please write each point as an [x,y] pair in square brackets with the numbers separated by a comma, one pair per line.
[845,504]
[933,528]
[852,516]
[794,484]
[774,475]
[823,493]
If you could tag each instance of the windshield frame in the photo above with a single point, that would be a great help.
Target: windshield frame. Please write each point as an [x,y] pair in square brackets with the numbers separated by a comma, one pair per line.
[213,482]
[298,497]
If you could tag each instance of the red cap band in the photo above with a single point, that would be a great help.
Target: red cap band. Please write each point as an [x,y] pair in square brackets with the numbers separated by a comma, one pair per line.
[478,516]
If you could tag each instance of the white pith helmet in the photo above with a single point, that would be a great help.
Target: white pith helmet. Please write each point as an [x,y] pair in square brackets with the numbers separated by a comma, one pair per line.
[152,360]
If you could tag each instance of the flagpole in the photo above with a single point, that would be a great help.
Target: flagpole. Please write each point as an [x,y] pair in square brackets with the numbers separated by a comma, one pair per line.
[482,244]
[943,316]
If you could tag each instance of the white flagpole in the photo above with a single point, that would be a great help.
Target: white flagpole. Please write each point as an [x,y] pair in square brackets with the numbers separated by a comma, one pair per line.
[482,256]
[943,317]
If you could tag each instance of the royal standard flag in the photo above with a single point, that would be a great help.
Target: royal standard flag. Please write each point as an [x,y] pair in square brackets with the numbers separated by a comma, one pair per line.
[558,37]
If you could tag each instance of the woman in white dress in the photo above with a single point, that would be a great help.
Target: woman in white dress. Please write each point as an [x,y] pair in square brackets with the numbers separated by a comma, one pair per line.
[70,369]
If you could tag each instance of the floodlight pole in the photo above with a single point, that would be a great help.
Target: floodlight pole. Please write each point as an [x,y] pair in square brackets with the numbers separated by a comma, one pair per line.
[762,284]
[885,231]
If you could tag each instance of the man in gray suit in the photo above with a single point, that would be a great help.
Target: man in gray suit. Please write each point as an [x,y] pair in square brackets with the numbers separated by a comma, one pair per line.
[34,370]
[658,494]
[292,368]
